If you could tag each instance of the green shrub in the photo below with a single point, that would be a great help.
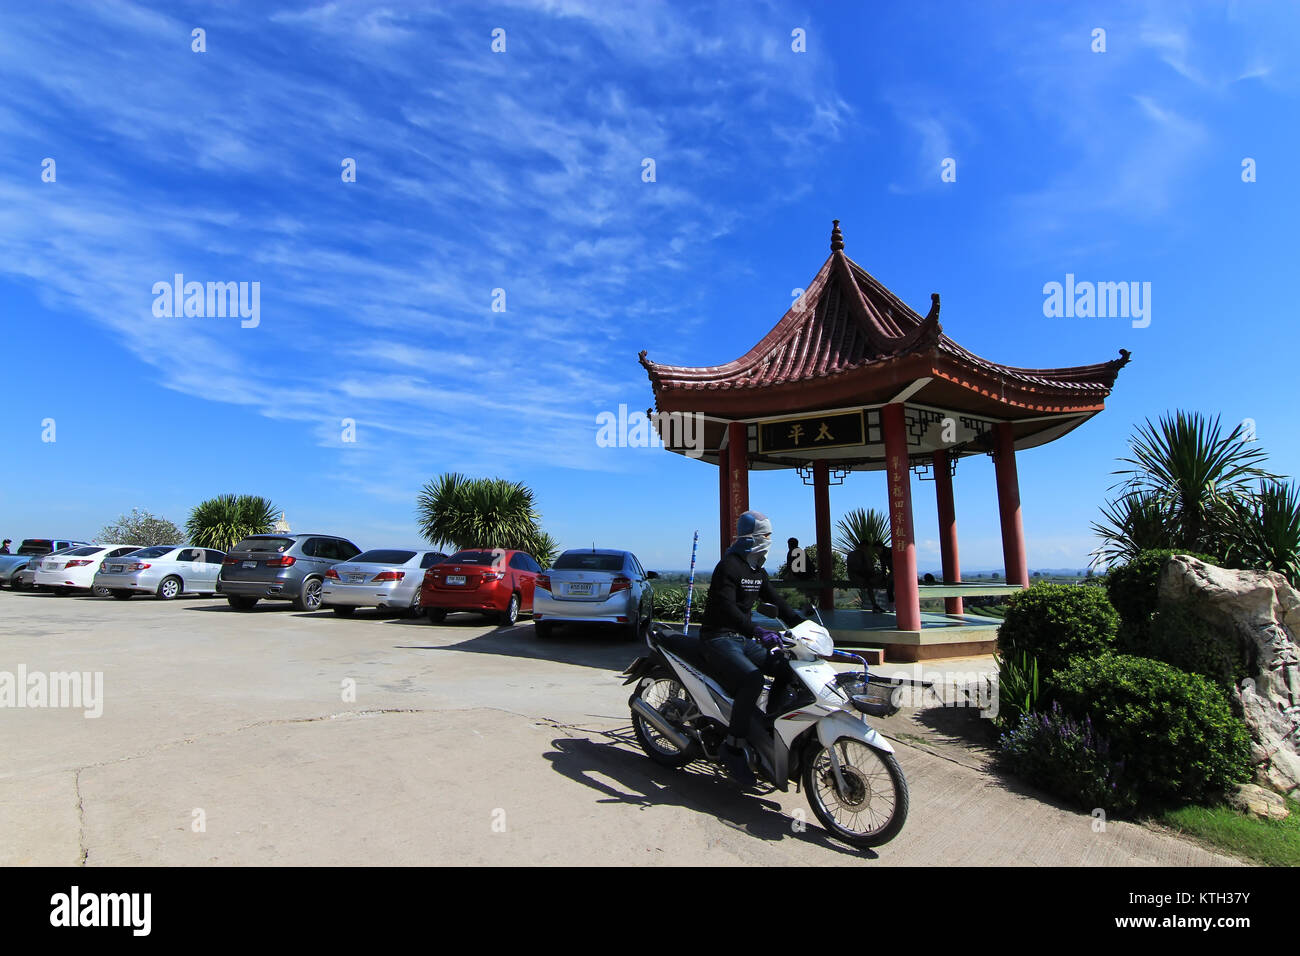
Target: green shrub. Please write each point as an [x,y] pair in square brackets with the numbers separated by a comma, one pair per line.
[1180,635]
[1132,587]
[1172,734]
[670,604]
[1066,757]
[1055,622]
[1018,687]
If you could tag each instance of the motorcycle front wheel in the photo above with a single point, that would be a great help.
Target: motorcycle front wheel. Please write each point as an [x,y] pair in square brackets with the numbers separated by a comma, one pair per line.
[874,808]
[662,691]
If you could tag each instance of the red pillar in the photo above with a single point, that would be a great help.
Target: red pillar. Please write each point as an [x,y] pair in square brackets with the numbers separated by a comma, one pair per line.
[726,524]
[825,556]
[907,598]
[1013,530]
[737,474]
[947,527]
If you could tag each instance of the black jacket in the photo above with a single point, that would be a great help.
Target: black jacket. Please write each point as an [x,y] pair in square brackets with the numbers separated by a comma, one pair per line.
[733,591]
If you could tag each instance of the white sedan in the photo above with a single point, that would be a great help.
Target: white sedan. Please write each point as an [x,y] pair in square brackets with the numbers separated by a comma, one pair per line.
[75,568]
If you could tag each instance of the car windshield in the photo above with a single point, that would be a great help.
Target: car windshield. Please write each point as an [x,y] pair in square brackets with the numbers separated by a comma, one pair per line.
[382,557]
[476,557]
[82,552]
[276,545]
[157,551]
[588,561]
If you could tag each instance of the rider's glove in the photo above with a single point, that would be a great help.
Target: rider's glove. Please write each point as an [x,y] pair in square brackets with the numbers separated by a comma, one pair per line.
[769,639]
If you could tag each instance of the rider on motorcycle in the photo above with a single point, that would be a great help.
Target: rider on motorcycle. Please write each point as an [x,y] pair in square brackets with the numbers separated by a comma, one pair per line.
[736,650]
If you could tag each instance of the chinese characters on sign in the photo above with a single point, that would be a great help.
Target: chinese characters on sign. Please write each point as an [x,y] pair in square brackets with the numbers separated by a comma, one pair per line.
[808,434]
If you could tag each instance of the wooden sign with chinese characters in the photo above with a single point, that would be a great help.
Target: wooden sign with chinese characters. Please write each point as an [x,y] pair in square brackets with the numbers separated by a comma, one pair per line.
[809,434]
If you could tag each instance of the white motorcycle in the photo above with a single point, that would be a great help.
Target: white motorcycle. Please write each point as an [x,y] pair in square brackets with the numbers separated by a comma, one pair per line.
[817,735]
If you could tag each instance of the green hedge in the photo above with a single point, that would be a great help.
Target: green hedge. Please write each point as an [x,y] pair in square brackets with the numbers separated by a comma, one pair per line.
[1172,735]
[1054,622]
[1132,588]
[670,604]
[1180,635]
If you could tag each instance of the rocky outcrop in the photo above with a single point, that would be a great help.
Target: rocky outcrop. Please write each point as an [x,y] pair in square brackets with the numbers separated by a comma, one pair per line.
[1262,611]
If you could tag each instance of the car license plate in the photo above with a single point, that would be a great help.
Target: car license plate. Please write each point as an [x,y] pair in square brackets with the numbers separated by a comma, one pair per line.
[250,564]
[455,579]
[356,578]
[115,569]
[580,588]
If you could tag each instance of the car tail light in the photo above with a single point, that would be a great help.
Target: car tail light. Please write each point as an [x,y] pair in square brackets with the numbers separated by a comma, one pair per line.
[390,575]
[139,567]
[493,575]
[76,564]
[229,561]
[620,583]
[544,582]
[283,561]
[331,574]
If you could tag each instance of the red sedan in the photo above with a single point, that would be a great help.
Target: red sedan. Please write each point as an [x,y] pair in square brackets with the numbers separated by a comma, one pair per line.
[488,580]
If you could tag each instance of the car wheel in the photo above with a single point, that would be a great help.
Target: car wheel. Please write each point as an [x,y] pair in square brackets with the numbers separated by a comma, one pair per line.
[436,615]
[413,609]
[543,629]
[343,610]
[122,594]
[15,584]
[309,599]
[98,591]
[240,603]
[168,588]
[510,615]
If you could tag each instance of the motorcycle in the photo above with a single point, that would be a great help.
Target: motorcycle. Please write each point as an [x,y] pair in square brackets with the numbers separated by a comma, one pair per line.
[817,736]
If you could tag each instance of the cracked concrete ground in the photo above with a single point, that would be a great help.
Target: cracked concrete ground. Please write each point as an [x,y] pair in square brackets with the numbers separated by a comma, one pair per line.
[462,744]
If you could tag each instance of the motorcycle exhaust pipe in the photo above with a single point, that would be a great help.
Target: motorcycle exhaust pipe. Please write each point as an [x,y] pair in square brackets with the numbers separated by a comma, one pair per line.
[656,720]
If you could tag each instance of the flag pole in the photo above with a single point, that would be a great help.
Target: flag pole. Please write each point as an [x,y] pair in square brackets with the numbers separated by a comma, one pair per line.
[690,585]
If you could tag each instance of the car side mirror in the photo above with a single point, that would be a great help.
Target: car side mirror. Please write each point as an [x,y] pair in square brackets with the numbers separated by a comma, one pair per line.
[652,574]
[767,609]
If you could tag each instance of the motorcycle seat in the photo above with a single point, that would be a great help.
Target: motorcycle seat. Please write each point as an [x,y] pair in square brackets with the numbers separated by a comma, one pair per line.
[684,646]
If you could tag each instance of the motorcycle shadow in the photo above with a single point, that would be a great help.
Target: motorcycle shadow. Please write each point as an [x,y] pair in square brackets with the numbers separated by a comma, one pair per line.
[698,787]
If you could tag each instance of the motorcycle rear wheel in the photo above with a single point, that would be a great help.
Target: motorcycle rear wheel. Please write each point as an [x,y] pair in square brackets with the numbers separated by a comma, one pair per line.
[875,808]
[662,691]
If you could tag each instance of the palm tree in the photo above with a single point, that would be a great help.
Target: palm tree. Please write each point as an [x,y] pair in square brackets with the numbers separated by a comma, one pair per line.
[482,513]
[1191,470]
[222,521]
[863,526]
[1134,522]
[1263,530]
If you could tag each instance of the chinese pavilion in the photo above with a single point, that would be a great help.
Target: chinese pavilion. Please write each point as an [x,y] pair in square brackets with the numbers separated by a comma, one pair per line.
[852,379]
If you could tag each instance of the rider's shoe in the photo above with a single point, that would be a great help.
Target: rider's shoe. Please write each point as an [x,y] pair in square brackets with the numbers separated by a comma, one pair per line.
[733,758]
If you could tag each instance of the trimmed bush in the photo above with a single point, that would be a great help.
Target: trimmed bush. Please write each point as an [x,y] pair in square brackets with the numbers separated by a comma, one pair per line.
[1132,587]
[1054,622]
[1066,757]
[1181,636]
[1173,734]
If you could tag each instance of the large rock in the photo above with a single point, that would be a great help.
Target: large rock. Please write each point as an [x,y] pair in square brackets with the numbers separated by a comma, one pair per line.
[1263,611]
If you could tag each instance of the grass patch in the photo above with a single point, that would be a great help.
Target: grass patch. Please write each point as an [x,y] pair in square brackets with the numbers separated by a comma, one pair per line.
[1272,842]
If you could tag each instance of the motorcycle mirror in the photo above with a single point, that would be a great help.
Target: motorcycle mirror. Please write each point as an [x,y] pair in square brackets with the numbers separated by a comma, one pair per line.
[767,609]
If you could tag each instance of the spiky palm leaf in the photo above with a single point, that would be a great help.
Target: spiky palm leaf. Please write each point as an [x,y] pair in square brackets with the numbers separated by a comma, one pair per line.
[1132,523]
[221,521]
[862,525]
[1191,467]
[1262,530]
[544,550]
[477,513]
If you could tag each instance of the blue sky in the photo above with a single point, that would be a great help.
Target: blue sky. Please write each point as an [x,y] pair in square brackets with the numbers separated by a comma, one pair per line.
[522,171]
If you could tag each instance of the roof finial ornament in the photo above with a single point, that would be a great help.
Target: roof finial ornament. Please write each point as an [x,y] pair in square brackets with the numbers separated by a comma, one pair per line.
[837,239]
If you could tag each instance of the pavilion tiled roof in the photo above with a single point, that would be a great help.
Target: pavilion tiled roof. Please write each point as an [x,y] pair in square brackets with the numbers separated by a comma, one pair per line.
[850,333]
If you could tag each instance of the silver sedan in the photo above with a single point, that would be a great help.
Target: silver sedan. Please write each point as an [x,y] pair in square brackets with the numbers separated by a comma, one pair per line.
[608,587]
[383,578]
[167,570]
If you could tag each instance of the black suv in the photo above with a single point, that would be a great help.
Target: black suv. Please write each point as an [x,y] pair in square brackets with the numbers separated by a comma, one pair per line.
[281,567]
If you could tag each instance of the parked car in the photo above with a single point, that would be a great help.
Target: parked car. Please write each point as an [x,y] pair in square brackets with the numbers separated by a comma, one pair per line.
[603,586]
[494,581]
[167,570]
[281,567]
[385,578]
[74,569]
[11,565]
